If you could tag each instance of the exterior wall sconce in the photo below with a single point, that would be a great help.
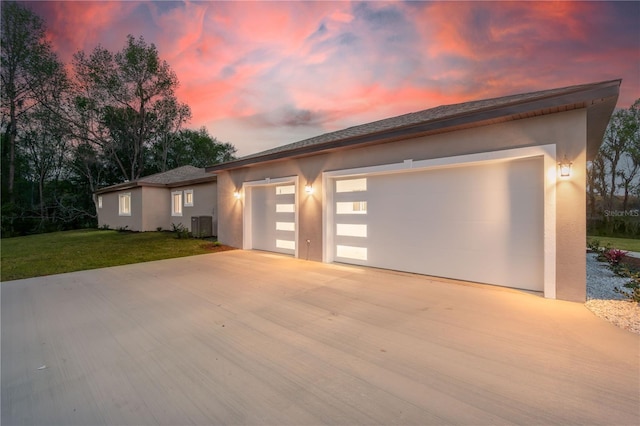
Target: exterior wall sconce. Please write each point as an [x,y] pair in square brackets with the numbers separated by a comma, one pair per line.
[308,189]
[237,195]
[565,167]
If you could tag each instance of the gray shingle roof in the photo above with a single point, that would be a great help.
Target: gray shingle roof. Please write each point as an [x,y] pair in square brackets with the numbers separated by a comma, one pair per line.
[170,178]
[441,118]
[180,174]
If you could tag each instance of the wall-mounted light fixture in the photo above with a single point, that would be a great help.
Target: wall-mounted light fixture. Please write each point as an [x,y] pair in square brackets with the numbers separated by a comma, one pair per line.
[565,167]
[237,195]
[308,189]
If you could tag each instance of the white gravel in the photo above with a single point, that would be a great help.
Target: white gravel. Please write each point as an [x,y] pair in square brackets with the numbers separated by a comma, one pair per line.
[604,302]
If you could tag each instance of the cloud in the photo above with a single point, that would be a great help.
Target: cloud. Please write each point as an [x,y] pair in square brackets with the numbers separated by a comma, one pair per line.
[261,73]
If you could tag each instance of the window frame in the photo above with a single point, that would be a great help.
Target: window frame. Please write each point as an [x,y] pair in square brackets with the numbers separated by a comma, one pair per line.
[187,193]
[176,207]
[124,207]
[99,201]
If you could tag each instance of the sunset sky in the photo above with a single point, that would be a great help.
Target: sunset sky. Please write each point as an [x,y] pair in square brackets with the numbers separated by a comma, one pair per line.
[262,74]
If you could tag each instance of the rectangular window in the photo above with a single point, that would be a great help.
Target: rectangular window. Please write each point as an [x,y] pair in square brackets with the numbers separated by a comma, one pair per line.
[286,244]
[351,230]
[285,189]
[350,252]
[351,185]
[285,208]
[285,226]
[351,207]
[124,204]
[188,198]
[100,201]
[176,203]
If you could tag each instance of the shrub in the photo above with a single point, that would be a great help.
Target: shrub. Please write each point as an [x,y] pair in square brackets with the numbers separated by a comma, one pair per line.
[631,289]
[614,256]
[180,231]
[593,245]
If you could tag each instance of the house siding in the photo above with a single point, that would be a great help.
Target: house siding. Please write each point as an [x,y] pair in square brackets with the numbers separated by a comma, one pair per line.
[205,196]
[109,213]
[566,129]
[156,209]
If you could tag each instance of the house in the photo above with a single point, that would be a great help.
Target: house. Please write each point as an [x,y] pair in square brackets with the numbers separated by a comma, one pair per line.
[185,196]
[490,191]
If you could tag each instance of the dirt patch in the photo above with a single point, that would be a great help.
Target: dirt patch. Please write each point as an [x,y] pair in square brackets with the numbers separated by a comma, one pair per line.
[631,261]
[215,248]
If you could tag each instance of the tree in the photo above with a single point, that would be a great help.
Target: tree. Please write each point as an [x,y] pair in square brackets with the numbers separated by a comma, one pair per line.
[629,130]
[613,149]
[122,101]
[27,61]
[191,147]
[44,143]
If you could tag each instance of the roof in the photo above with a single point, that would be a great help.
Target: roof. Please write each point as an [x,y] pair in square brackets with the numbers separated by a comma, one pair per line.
[599,98]
[179,176]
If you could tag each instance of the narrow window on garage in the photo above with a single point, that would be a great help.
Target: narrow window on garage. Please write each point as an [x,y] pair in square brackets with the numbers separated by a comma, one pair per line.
[285,226]
[351,252]
[351,185]
[176,203]
[351,207]
[100,201]
[124,204]
[188,198]
[286,244]
[285,208]
[351,230]
[285,189]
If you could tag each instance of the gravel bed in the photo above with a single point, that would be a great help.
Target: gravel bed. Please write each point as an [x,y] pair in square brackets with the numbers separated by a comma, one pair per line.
[604,302]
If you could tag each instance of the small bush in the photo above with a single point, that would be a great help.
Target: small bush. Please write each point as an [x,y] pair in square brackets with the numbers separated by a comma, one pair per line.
[123,228]
[159,229]
[180,231]
[594,245]
[614,256]
[631,290]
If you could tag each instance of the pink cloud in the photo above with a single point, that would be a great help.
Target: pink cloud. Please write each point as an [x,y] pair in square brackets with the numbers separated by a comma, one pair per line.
[333,64]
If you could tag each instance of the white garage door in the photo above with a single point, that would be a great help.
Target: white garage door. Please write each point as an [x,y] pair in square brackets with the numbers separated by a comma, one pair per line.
[273,218]
[481,223]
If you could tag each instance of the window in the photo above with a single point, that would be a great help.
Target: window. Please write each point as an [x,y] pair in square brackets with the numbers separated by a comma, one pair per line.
[285,226]
[351,185]
[286,244]
[285,208]
[351,252]
[355,207]
[351,230]
[124,204]
[100,201]
[287,189]
[176,203]
[188,198]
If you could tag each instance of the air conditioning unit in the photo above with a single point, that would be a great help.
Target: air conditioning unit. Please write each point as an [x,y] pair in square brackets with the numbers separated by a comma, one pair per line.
[202,226]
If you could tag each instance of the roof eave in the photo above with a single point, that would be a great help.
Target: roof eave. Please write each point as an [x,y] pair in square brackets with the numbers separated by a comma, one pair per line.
[138,184]
[599,99]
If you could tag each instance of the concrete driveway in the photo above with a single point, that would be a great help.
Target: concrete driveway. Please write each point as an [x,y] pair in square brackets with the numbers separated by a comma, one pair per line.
[253,338]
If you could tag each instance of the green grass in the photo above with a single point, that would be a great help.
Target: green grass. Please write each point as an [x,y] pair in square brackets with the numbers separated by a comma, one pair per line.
[627,244]
[59,252]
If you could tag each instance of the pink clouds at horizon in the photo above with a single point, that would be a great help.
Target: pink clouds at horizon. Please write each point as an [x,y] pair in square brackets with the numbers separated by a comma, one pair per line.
[262,74]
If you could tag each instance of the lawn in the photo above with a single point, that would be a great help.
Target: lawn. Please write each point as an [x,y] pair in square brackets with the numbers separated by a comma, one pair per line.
[59,252]
[627,244]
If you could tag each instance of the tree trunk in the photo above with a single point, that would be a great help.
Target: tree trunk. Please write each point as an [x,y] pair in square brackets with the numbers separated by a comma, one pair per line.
[12,151]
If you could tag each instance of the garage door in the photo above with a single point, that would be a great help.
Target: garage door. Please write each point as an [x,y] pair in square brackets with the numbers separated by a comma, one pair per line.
[481,223]
[273,218]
